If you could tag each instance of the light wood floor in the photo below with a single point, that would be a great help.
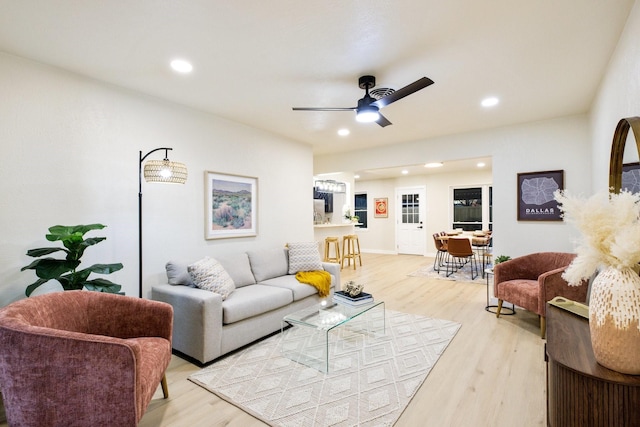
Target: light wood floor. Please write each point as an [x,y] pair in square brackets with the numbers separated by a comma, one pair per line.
[492,373]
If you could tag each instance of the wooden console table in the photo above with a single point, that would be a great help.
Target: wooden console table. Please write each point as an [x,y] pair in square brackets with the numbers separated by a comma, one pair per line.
[580,392]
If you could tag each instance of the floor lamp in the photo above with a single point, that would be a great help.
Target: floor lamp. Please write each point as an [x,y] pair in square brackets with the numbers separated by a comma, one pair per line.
[163,171]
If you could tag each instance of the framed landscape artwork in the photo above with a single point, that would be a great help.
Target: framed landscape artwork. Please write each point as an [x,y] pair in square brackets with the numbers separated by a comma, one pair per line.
[231,203]
[381,205]
[535,195]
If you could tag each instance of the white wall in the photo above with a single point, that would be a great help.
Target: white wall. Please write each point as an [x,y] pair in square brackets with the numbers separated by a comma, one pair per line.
[380,236]
[70,150]
[618,97]
[561,143]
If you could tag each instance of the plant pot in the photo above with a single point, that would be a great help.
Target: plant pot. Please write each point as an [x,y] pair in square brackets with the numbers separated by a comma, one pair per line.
[614,319]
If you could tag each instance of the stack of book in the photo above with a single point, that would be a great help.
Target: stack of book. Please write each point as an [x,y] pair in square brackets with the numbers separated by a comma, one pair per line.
[344,298]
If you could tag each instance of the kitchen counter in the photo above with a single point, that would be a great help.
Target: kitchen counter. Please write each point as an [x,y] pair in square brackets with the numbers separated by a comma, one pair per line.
[322,231]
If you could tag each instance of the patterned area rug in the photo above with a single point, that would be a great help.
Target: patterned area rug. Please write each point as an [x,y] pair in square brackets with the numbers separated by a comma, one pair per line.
[463,275]
[371,381]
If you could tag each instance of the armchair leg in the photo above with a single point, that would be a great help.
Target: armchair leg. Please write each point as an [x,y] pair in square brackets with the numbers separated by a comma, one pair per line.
[543,327]
[499,308]
[165,388]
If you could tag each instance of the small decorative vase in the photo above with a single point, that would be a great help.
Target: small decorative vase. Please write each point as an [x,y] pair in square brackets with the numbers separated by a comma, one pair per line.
[614,319]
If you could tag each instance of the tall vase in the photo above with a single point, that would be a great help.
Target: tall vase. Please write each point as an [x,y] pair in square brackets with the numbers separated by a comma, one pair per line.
[614,319]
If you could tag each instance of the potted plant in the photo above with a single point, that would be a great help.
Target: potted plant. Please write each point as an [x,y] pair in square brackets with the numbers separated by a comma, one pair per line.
[501,258]
[65,270]
[609,225]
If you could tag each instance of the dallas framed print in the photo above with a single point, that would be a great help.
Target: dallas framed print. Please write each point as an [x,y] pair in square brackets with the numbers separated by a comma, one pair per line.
[535,195]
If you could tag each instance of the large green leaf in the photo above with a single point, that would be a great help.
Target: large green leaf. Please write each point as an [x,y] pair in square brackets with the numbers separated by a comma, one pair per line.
[44,251]
[79,276]
[103,268]
[72,240]
[51,268]
[73,281]
[102,285]
[77,249]
[59,232]
[93,241]
[32,287]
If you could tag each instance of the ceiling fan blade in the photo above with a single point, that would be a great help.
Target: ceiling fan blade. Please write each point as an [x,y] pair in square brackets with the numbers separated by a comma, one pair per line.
[405,91]
[323,109]
[382,121]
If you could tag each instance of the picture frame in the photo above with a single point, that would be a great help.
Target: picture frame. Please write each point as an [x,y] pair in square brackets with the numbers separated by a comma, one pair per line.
[631,177]
[231,205]
[535,195]
[381,207]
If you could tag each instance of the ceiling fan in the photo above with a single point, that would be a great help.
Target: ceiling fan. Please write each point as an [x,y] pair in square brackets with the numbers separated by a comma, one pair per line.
[368,109]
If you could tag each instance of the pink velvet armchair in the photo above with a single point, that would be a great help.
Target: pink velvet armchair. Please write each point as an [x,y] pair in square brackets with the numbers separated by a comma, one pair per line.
[81,358]
[531,280]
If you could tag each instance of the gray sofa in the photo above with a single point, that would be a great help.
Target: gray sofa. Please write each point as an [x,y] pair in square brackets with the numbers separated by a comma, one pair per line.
[205,327]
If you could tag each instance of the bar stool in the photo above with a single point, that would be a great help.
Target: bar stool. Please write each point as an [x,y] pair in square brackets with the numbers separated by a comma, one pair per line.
[350,250]
[336,248]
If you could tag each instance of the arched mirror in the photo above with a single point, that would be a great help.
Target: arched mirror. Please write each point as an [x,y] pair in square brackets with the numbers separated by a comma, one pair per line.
[624,165]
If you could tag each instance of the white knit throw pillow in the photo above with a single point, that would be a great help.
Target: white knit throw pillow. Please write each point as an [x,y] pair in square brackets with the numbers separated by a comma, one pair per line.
[209,274]
[304,256]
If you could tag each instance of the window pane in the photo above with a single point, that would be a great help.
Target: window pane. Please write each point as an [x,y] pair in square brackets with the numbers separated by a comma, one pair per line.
[467,205]
[360,210]
[410,209]
[467,226]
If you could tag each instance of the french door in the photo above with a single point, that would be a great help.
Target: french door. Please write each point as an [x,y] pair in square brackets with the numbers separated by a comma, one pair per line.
[410,231]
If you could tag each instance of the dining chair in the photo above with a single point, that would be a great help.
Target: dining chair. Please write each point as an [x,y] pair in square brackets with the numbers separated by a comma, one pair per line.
[481,245]
[441,252]
[460,253]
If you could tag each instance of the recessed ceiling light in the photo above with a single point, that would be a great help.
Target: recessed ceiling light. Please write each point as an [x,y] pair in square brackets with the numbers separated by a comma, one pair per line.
[433,165]
[344,132]
[181,66]
[492,101]
[356,176]
[481,164]
[405,172]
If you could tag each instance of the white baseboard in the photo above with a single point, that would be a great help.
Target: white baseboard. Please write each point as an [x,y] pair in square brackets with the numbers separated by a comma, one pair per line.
[383,252]
[378,251]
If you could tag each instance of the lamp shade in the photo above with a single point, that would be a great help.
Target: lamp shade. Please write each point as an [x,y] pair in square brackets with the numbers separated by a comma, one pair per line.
[165,171]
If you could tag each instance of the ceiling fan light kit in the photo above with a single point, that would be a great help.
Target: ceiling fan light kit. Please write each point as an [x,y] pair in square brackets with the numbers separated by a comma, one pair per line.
[367,114]
[368,109]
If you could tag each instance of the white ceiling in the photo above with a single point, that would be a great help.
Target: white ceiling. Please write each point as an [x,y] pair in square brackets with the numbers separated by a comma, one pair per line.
[481,163]
[254,59]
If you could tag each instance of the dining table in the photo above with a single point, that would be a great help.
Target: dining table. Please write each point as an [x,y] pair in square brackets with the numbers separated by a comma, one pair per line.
[479,242]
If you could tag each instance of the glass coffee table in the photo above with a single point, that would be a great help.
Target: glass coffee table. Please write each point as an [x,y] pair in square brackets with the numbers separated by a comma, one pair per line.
[318,332]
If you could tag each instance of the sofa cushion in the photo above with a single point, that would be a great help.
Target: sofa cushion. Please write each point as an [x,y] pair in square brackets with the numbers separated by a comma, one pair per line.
[210,275]
[299,290]
[253,300]
[238,267]
[177,273]
[268,263]
[304,256]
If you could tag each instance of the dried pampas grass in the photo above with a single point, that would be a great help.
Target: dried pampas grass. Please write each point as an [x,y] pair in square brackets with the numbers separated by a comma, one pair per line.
[610,229]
